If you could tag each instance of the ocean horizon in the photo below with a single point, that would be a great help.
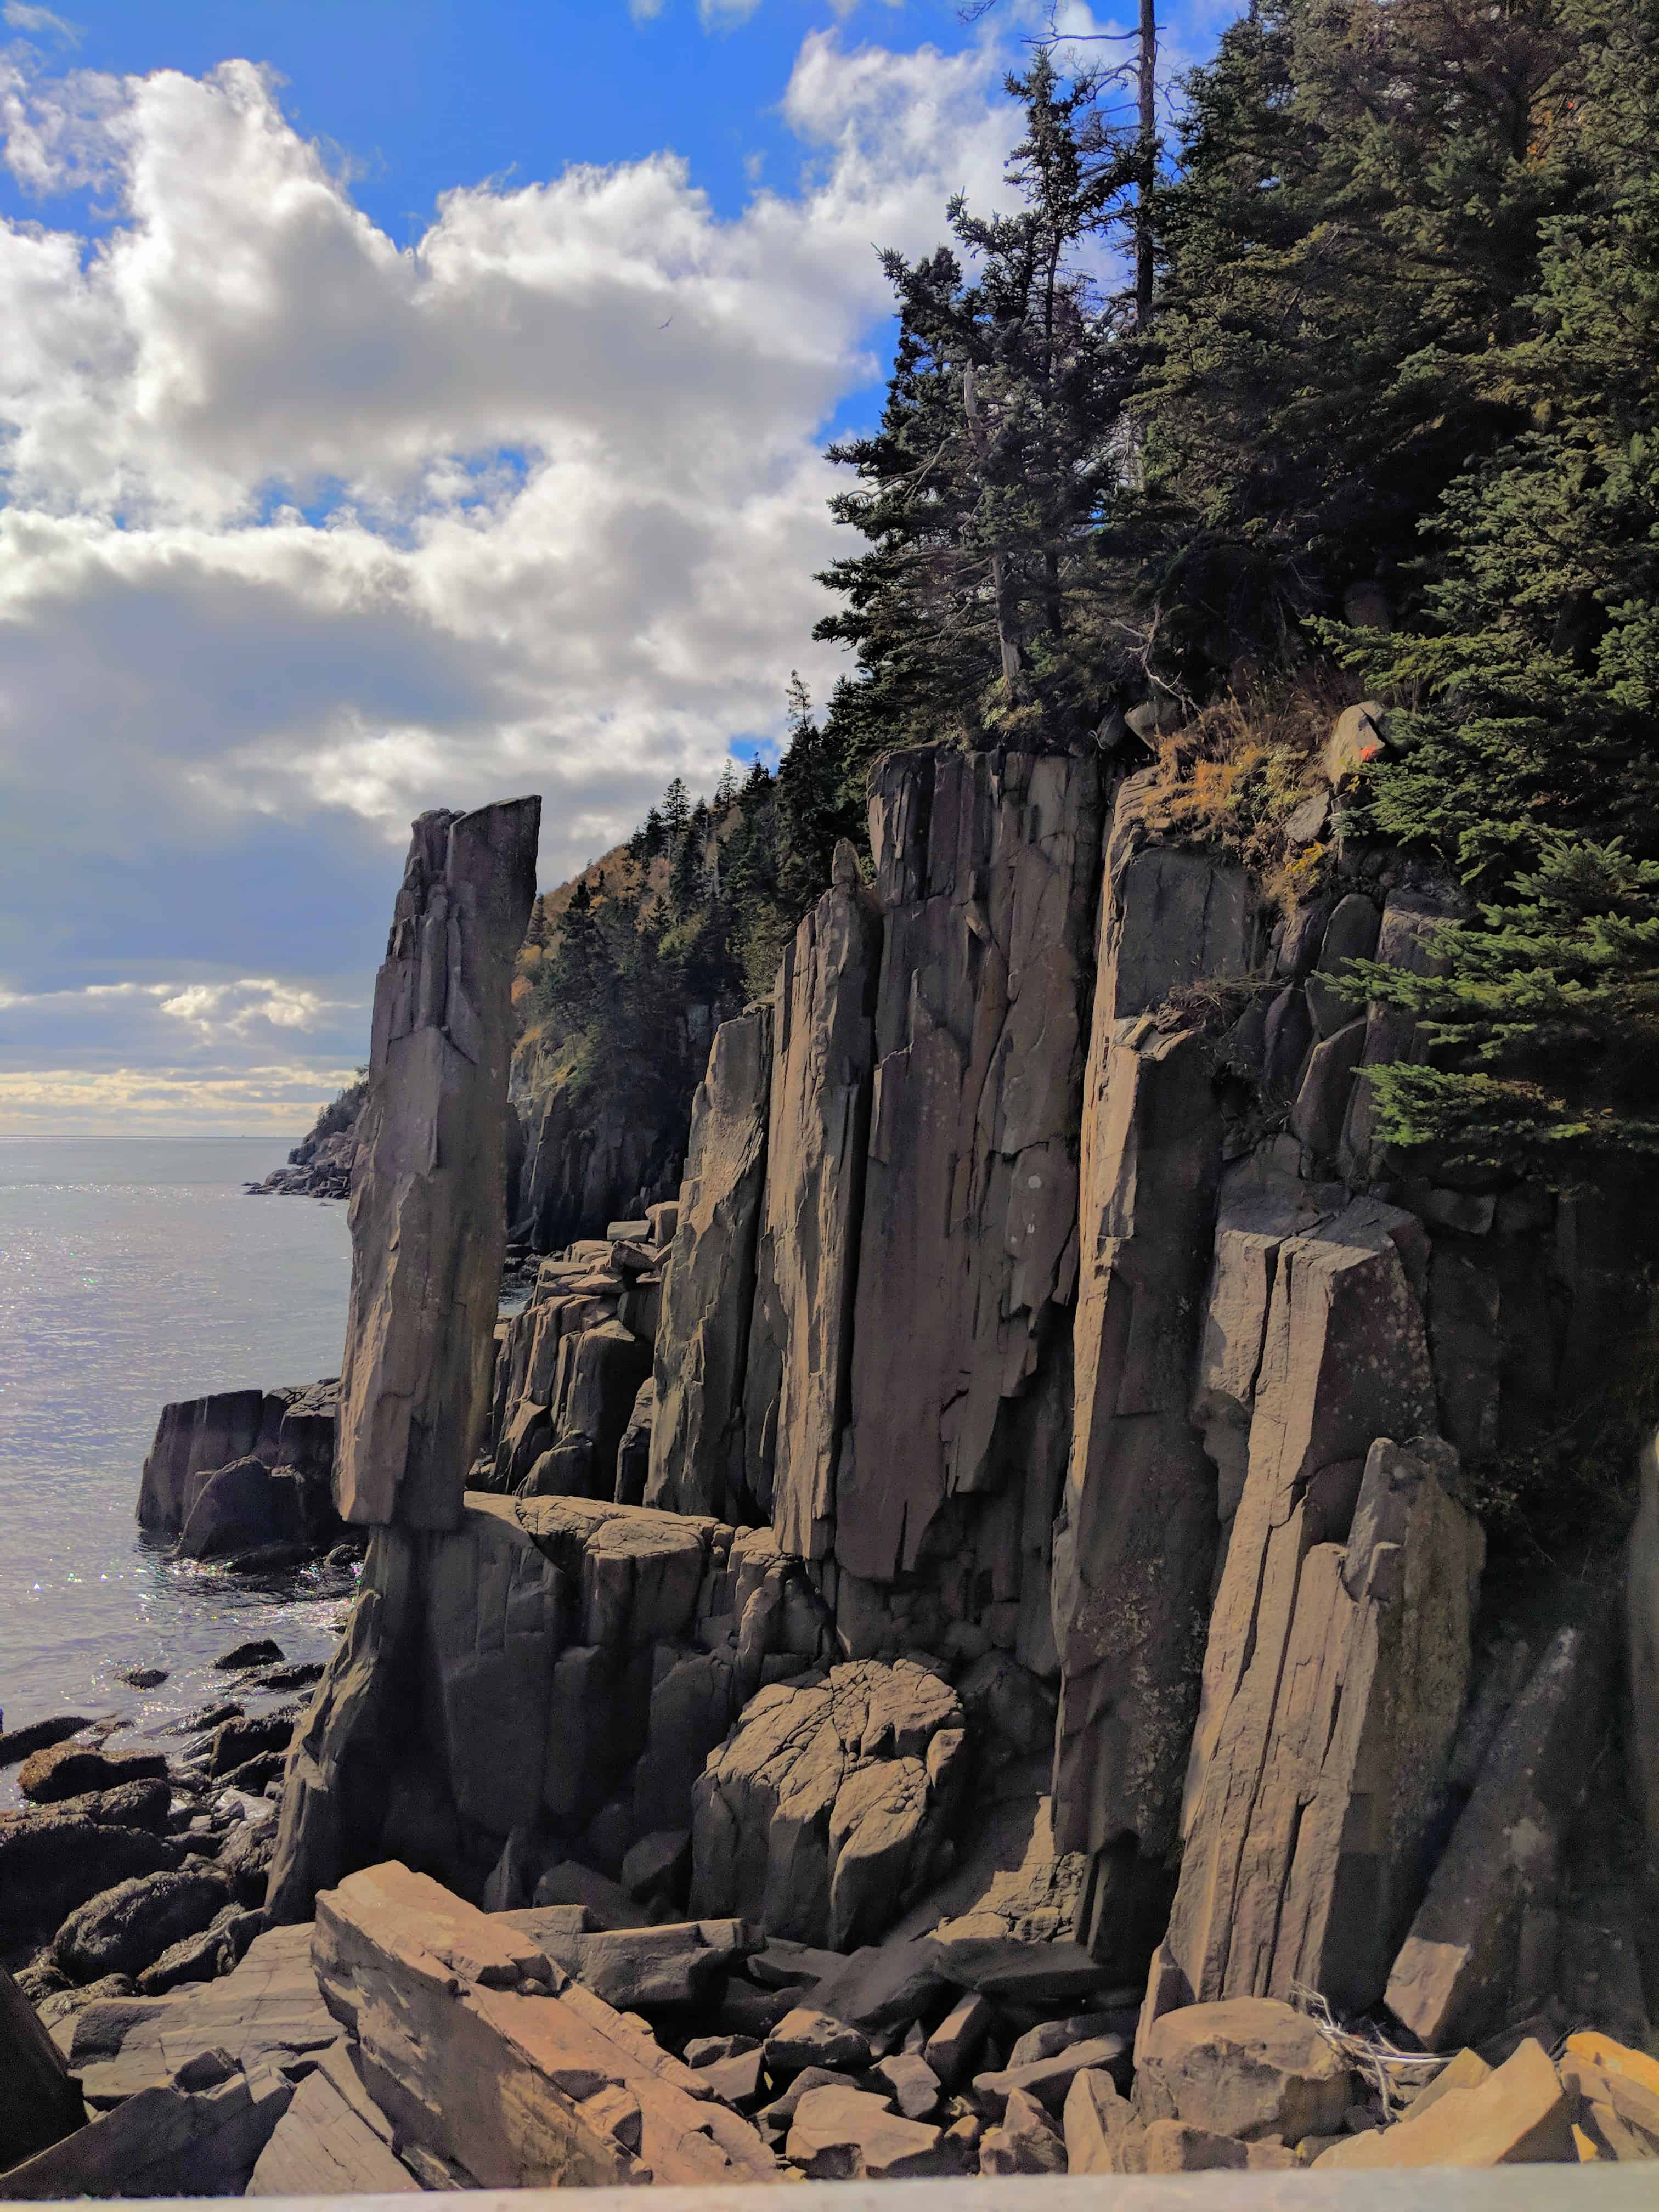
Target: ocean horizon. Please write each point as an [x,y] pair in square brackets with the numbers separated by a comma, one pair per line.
[134,1271]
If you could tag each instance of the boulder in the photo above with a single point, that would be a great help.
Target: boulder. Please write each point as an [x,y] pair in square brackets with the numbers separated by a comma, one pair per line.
[503,2089]
[129,1926]
[1048,2079]
[954,2045]
[321,2147]
[1318,1806]
[821,1817]
[1354,744]
[847,2135]
[709,1279]
[239,1507]
[804,2038]
[1101,2130]
[258,1652]
[1518,2116]
[52,1862]
[986,865]
[16,1744]
[795,1395]
[39,2102]
[1178,2147]
[235,1741]
[912,2083]
[428,1224]
[660,1864]
[1249,2067]
[195,1436]
[70,1769]
[1026,2141]
[1454,1974]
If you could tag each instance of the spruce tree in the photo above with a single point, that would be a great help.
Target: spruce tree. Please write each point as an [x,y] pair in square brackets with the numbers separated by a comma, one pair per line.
[1527,759]
[981,492]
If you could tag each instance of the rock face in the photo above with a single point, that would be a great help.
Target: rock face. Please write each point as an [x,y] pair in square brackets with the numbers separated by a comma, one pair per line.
[282,1443]
[1313,1812]
[1136,1543]
[800,1339]
[824,1814]
[986,867]
[428,1227]
[988,1401]
[1460,1963]
[709,1285]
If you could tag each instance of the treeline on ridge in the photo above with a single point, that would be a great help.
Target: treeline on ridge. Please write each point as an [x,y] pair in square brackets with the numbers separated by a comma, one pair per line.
[1388,428]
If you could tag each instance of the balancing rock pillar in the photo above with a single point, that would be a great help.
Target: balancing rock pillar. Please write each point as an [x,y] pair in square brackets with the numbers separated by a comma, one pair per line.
[429,1233]
[428,1218]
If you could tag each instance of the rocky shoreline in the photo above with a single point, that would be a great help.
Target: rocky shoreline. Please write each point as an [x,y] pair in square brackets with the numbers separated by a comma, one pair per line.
[967,1643]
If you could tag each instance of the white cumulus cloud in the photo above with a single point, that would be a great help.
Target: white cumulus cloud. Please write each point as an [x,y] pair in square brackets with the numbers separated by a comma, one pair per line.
[304,531]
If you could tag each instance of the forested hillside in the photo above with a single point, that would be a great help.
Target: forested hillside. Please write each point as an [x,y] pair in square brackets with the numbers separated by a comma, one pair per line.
[1386,430]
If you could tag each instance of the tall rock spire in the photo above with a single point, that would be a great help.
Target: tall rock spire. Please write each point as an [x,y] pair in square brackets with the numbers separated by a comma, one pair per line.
[428,1219]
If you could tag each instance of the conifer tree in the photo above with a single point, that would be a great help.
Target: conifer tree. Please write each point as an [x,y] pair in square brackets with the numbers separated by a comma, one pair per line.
[980,492]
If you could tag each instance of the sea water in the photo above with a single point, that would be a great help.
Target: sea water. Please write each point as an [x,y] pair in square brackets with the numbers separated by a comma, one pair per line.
[134,1270]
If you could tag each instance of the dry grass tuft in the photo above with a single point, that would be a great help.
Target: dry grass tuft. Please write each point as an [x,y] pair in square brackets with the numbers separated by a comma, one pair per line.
[1234,775]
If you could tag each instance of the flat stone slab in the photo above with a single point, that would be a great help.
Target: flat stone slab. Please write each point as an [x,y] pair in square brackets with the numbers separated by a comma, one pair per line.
[269,2007]
[320,2147]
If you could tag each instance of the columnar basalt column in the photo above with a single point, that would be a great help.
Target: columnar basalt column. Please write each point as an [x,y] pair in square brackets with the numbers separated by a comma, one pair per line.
[429,1219]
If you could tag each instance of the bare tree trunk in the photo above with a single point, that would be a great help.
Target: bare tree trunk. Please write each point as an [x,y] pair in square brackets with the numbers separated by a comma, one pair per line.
[1007,630]
[1148,151]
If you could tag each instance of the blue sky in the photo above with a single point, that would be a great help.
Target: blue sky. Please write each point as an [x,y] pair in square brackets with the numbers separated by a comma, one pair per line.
[408,405]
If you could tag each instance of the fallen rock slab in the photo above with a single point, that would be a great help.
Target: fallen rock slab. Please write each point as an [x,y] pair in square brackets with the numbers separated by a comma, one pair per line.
[630,1967]
[1048,2080]
[912,2083]
[1101,2133]
[996,1965]
[1518,2116]
[269,2010]
[1249,2067]
[954,2045]
[163,2142]
[39,2102]
[507,2089]
[804,2038]
[321,2148]
[849,2134]
[1026,2142]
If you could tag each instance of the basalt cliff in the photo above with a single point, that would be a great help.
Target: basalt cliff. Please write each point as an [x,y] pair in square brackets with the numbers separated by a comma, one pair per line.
[973,1640]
